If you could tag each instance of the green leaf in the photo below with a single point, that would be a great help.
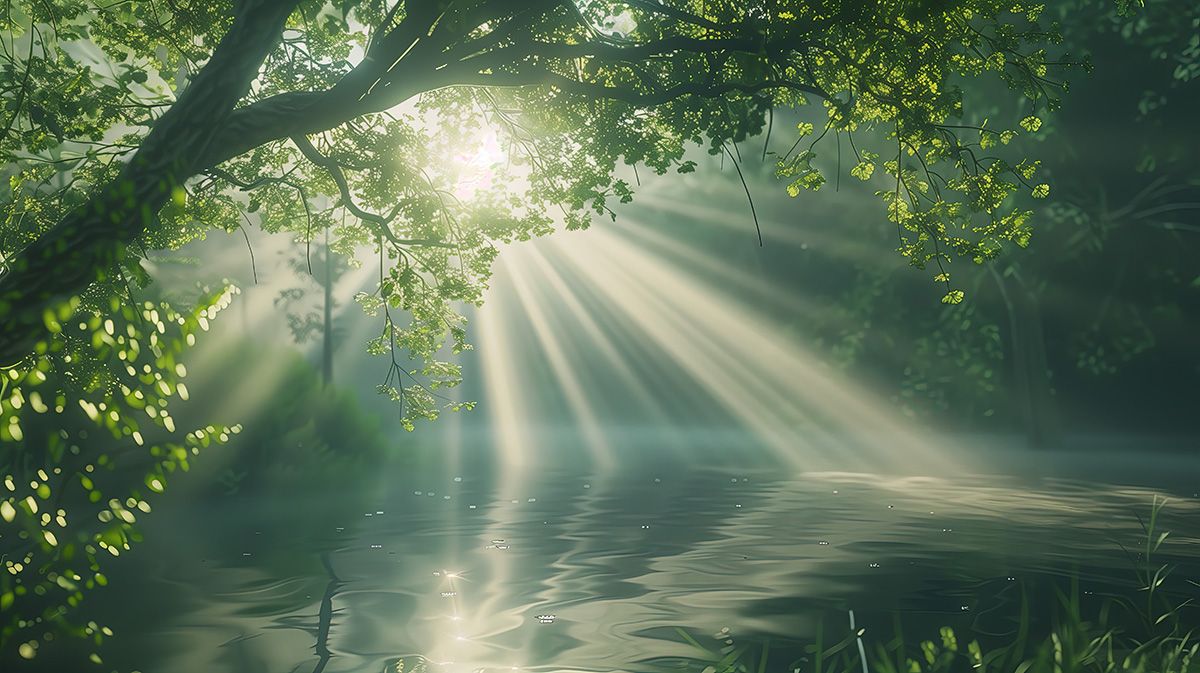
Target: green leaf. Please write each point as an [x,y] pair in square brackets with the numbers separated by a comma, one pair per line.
[1027,168]
[1041,191]
[811,181]
[1031,123]
[863,170]
[953,297]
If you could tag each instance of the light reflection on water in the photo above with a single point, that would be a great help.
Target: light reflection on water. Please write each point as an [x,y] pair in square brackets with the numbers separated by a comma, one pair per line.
[619,564]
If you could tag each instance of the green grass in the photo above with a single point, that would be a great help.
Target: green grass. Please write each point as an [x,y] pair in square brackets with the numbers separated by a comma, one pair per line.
[1158,639]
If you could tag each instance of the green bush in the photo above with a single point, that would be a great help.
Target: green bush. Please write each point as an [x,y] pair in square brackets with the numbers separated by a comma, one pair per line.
[298,436]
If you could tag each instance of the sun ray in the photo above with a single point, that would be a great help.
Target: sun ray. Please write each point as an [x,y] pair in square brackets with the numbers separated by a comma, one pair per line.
[689,348]
[564,370]
[775,387]
[506,409]
[597,336]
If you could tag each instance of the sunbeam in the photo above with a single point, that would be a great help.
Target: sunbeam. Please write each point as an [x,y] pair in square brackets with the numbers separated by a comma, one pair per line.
[507,411]
[564,370]
[598,338]
[776,390]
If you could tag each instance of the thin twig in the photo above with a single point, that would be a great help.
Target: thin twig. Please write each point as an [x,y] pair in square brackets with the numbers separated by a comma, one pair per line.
[748,197]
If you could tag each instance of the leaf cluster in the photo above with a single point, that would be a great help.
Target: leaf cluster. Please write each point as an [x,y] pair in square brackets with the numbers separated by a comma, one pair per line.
[80,461]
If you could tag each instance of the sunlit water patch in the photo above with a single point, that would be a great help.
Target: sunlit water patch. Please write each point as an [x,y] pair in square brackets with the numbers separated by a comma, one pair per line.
[588,572]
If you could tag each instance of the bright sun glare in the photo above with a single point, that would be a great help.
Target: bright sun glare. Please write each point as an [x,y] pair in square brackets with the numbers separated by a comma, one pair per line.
[478,168]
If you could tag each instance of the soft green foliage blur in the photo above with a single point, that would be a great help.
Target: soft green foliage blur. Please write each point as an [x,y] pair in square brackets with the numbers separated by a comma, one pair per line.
[304,438]
[1111,283]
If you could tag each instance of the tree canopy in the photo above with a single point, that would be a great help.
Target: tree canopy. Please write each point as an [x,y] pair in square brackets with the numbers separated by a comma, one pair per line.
[133,127]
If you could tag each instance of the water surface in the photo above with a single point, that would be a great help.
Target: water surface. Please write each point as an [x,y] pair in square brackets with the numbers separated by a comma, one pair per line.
[568,571]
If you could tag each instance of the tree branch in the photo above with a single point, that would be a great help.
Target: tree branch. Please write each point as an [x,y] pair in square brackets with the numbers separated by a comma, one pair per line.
[640,99]
[403,64]
[380,222]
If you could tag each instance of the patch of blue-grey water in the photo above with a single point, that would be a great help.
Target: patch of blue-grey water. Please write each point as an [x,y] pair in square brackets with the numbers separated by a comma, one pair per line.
[594,572]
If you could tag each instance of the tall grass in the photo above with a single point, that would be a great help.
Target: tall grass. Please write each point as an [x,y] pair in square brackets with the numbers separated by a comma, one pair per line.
[1158,640]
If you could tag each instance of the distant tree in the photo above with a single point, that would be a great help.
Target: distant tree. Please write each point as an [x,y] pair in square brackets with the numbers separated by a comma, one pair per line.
[304,321]
[305,436]
[1109,291]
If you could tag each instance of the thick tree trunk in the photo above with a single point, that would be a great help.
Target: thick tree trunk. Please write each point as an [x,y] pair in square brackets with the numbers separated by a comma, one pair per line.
[201,130]
[86,245]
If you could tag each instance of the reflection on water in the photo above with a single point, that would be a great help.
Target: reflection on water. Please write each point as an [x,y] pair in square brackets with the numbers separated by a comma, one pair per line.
[596,572]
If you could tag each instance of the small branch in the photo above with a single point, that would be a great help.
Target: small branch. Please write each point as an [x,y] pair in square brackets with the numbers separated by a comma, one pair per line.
[308,234]
[1165,208]
[748,197]
[253,269]
[248,186]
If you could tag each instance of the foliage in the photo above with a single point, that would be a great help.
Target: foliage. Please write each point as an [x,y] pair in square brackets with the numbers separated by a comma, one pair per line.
[70,438]
[1109,289]
[938,361]
[956,363]
[304,437]
[1136,209]
[1170,32]
[319,141]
